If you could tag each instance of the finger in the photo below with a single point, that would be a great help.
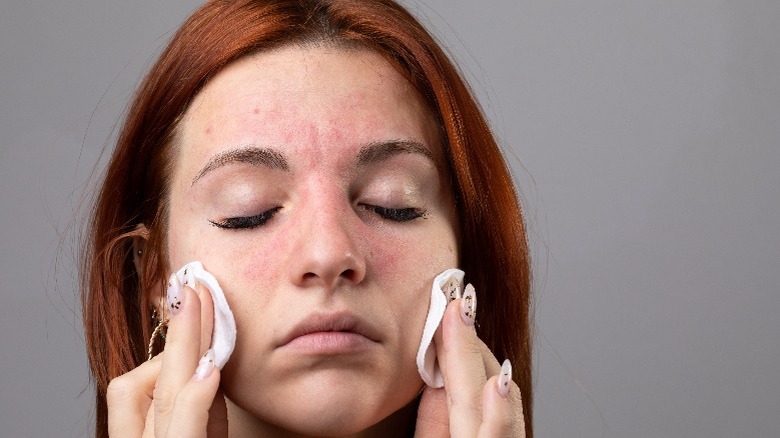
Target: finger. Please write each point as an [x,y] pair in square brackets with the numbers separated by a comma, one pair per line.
[129,397]
[149,424]
[190,413]
[502,413]
[432,414]
[460,356]
[206,318]
[217,416]
[492,367]
[182,350]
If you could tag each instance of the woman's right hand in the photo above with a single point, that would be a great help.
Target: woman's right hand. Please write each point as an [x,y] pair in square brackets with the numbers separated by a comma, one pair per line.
[479,398]
[177,392]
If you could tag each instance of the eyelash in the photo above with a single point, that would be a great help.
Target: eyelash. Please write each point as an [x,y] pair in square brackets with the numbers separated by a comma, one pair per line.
[246,222]
[249,222]
[396,214]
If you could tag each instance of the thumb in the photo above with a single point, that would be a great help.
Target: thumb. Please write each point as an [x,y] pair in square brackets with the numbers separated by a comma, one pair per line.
[433,420]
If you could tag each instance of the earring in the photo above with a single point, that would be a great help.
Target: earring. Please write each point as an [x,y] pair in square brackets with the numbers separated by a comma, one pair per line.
[140,252]
[158,330]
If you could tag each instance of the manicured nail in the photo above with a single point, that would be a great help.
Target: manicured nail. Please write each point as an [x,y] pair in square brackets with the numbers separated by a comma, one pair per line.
[175,294]
[504,377]
[189,278]
[468,305]
[205,366]
[451,288]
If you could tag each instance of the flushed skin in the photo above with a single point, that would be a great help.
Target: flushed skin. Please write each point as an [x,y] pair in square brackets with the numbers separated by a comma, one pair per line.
[491,240]
[324,253]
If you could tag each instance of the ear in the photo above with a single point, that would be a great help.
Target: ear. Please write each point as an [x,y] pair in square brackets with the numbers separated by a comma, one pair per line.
[140,235]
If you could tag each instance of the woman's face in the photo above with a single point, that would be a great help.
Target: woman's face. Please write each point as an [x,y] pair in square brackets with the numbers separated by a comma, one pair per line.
[310,182]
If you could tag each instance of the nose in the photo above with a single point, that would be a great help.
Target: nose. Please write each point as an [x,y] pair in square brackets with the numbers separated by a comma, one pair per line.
[326,250]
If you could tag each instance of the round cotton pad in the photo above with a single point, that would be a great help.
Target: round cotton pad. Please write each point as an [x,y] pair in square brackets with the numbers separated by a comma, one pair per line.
[223,339]
[446,287]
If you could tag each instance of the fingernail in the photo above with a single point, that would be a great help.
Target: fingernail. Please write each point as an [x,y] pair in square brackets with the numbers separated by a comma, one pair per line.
[468,305]
[451,288]
[205,365]
[504,377]
[174,294]
[189,278]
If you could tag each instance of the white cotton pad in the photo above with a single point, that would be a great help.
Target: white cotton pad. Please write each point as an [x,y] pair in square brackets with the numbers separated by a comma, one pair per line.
[223,339]
[446,287]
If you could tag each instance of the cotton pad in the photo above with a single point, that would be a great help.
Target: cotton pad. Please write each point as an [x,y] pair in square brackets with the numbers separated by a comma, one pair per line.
[223,339]
[447,286]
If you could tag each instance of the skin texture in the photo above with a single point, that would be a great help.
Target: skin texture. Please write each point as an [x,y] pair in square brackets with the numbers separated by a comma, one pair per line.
[324,250]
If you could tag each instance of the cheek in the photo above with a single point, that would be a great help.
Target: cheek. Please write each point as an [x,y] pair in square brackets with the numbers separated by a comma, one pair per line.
[249,270]
[188,233]
[185,247]
[417,256]
[181,247]
[427,251]
[259,263]
[405,269]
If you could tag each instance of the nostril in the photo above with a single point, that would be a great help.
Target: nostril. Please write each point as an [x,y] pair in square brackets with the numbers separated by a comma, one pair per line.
[349,274]
[328,267]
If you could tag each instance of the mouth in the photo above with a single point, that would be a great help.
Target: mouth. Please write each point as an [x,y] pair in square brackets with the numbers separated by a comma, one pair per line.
[330,333]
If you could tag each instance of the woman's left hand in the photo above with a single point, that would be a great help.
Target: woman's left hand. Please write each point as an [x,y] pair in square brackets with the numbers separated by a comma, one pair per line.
[479,398]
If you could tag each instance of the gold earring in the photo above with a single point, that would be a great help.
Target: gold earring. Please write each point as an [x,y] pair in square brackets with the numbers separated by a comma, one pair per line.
[161,326]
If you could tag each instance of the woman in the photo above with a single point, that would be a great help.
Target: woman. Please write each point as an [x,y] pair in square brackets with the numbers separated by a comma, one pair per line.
[324,160]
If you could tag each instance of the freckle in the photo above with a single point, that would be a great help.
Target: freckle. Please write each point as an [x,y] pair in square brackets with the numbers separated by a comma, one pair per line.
[256,111]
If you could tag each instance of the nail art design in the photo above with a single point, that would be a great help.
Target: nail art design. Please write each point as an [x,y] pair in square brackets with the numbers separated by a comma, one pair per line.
[205,365]
[504,377]
[174,294]
[189,278]
[451,288]
[468,305]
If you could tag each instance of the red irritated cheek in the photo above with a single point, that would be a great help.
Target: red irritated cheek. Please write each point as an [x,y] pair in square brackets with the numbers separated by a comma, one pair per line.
[386,258]
[261,261]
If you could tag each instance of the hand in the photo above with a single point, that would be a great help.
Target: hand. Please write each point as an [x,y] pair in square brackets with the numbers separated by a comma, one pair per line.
[470,404]
[167,396]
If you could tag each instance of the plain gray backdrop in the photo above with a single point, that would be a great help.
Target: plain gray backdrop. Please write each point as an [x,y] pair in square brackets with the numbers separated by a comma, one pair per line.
[644,138]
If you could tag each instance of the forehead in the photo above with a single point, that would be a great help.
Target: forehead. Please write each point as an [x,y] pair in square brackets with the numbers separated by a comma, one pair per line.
[316,104]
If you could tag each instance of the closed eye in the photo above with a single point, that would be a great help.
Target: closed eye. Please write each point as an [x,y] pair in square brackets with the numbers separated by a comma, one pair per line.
[246,222]
[396,214]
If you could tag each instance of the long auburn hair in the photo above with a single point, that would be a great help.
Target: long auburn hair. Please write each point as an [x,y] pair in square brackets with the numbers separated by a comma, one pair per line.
[493,248]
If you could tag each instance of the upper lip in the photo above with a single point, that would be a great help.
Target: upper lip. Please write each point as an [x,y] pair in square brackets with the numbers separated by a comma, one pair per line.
[331,322]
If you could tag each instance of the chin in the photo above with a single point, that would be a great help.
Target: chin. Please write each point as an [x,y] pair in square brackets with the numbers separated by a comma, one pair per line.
[328,403]
[341,423]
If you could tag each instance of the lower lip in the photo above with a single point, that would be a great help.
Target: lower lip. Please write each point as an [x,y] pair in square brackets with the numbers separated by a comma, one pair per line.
[329,343]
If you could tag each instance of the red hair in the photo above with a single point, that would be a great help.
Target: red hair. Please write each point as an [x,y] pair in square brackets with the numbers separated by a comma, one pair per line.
[493,248]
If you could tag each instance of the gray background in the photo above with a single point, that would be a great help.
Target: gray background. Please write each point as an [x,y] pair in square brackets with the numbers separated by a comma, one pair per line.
[644,136]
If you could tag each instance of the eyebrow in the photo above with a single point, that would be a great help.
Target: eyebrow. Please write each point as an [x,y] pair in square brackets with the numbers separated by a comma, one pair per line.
[251,155]
[382,150]
[372,153]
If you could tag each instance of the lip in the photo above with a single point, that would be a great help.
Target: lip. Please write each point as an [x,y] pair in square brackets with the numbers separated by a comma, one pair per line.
[330,333]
